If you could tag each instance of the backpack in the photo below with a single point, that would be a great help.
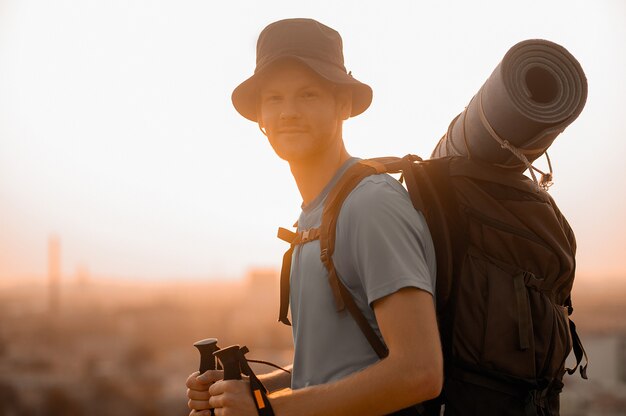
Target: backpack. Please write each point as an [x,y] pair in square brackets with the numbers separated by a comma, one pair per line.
[505,269]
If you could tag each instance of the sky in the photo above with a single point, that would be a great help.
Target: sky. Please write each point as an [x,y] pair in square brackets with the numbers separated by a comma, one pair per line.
[117,132]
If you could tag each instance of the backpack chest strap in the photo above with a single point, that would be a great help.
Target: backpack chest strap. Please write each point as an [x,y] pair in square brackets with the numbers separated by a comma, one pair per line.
[300,237]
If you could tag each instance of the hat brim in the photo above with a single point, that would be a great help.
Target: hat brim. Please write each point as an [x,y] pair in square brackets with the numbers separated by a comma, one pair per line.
[244,97]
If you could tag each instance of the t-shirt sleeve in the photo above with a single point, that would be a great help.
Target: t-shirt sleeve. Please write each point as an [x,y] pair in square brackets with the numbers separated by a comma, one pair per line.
[382,242]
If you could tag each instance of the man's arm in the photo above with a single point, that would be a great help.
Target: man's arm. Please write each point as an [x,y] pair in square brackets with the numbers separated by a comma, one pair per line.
[412,373]
[277,380]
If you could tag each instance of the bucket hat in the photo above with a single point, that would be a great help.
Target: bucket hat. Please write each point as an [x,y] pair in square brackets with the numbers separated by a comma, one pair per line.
[310,42]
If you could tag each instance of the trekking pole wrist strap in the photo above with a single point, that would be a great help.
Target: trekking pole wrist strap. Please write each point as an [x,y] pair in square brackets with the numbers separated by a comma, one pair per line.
[259,397]
[257,389]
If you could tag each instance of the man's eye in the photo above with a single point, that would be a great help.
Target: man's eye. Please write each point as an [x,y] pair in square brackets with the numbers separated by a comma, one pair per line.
[272,98]
[309,94]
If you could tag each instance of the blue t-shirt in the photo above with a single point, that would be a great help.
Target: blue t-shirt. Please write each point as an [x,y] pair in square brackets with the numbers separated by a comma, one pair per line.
[382,245]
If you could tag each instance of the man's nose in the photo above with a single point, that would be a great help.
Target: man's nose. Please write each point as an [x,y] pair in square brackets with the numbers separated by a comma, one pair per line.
[289,110]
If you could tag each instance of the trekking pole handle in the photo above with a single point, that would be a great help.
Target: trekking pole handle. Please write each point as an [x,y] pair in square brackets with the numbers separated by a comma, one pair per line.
[229,357]
[207,347]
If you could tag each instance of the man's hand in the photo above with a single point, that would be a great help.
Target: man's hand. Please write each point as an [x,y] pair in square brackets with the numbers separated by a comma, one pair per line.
[231,398]
[198,390]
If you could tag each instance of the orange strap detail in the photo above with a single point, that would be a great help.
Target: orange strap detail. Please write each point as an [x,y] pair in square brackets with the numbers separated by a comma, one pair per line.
[286,235]
[259,399]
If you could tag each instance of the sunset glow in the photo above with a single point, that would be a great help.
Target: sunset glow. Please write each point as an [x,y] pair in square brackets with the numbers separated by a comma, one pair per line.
[117,133]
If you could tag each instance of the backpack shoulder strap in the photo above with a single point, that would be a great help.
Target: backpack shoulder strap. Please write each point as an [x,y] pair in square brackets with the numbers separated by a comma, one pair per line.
[334,201]
[327,233]
[343,299]
[423,181]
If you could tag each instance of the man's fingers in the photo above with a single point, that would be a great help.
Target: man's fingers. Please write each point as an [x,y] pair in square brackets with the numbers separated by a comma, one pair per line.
[215,402]
[200,382]
[195,384]
[200,413]
[192,376]
[228,386]
[199,404]
[217,388]
[198,395]
[211,376]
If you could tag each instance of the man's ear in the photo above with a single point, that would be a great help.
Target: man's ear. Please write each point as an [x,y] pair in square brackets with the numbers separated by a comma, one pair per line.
[259,114]
[344,103]
[259,118]
[261,126]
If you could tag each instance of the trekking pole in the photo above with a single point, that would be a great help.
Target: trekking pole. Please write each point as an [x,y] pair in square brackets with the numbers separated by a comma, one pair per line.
[207,347]
[229,357]
[234,361]
[207,360]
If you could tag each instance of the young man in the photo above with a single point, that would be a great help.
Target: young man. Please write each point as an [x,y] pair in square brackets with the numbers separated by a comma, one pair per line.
[300,94]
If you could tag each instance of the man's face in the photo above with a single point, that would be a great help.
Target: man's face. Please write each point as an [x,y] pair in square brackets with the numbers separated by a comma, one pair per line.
[300,113]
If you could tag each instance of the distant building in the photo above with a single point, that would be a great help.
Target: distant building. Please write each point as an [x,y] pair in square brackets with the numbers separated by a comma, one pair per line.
[54,274]
[82,276]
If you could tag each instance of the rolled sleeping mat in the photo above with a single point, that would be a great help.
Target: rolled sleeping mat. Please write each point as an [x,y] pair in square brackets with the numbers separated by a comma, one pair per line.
[535,92]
